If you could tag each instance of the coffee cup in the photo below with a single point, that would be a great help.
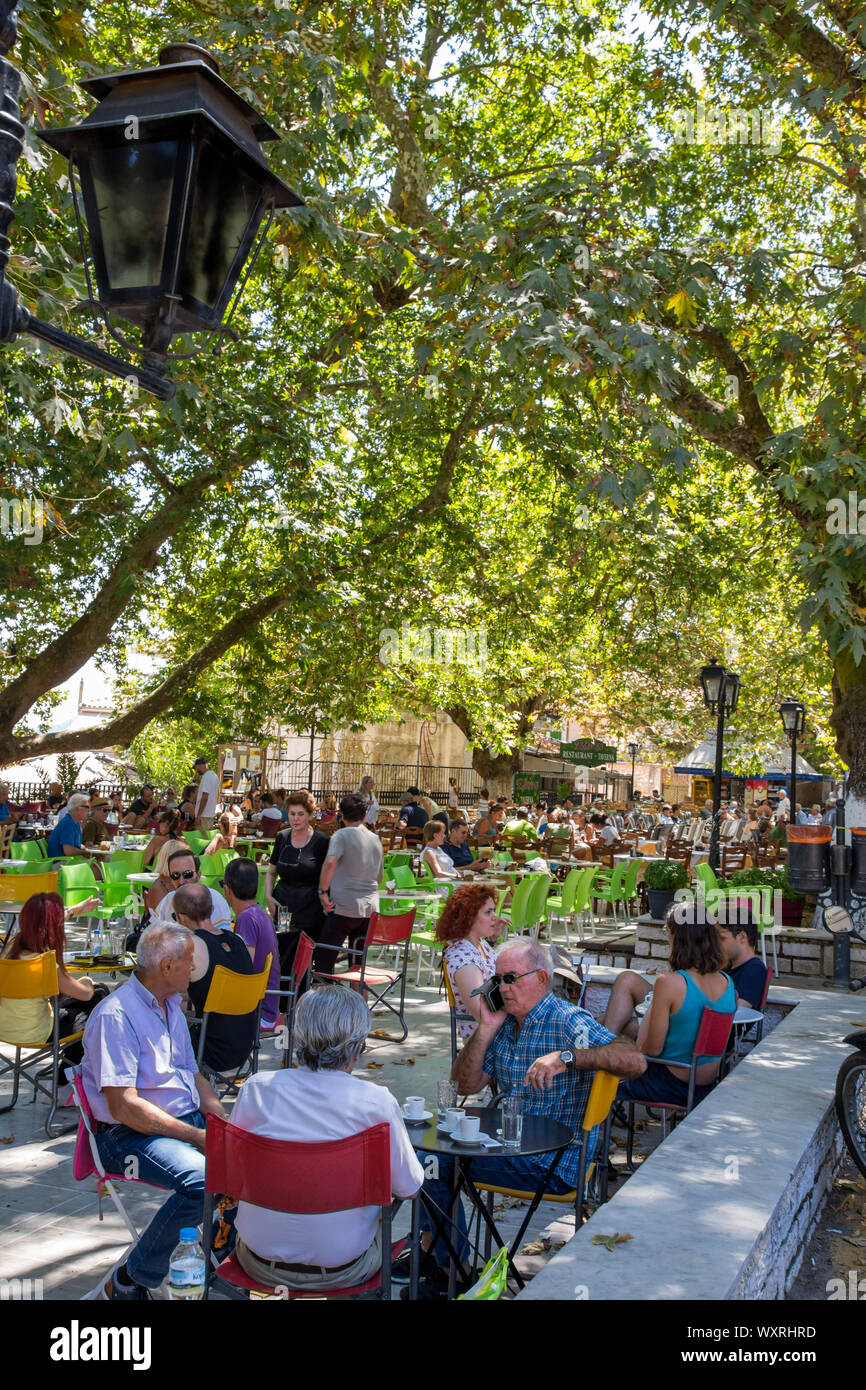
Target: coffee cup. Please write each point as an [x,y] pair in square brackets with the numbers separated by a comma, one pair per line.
[452,1119]
[470,1128]
[414,1107]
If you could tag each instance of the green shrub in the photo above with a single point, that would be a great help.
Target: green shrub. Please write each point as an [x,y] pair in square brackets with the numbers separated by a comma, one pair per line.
[665,874]
[766,878]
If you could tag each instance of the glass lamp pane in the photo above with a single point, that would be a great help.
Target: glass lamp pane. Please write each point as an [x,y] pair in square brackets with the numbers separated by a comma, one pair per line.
[224,200]
[133,185]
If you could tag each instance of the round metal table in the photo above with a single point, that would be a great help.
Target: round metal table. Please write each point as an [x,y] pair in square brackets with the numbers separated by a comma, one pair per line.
[540,1136]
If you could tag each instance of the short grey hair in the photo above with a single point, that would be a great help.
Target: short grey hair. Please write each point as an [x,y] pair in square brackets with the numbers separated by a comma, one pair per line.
[78,799]
[158,941]
[330,1025]
[538,956]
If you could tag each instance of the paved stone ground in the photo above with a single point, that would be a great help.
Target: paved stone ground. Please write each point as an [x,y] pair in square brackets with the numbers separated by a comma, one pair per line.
[49,1227]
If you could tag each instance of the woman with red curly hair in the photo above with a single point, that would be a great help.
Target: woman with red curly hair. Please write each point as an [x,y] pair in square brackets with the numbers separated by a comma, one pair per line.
[467,923]
[28,1022]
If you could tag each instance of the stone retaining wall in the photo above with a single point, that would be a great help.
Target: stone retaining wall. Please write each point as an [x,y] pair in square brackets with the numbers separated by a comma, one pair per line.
[800,951]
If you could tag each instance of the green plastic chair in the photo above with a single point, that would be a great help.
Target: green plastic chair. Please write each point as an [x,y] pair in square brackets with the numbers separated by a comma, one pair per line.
[629,887]
[704,875]
[537,906]
[611,890]
[723,902]
[197,842]
[76,883]
[395,857]
[32,851]
[517,916]
[562,905]
[125,861]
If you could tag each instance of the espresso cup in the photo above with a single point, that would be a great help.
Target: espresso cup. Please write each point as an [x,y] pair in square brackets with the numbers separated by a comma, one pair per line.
[452,1120]
[414,1107]
[470,1128]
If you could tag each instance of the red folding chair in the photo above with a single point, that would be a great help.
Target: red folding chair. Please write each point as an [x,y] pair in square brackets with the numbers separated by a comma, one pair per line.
[304,1179]
[712,1040]
[291,988]
[383,930]
[87,1163]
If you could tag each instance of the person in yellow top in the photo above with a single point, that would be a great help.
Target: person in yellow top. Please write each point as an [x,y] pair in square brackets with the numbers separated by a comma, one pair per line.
[28,1022]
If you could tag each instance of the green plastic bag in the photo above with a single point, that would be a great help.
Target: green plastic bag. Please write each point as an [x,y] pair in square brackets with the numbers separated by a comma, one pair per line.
[491,1283]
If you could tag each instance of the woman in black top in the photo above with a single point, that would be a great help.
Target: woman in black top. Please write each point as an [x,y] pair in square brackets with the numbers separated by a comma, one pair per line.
[293,878]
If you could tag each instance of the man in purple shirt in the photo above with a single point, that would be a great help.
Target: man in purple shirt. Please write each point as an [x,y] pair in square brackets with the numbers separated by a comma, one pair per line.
[254,926]
[150,1100]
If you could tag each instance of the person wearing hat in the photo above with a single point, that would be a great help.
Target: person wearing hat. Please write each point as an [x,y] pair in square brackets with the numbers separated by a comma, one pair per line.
[94,832]
[567,981]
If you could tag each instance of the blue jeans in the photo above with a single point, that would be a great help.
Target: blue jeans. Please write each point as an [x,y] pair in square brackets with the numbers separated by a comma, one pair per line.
[168,1163]
[523,1173]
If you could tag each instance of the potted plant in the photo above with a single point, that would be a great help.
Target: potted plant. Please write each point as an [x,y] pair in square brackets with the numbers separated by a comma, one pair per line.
[777,882]
[662,878]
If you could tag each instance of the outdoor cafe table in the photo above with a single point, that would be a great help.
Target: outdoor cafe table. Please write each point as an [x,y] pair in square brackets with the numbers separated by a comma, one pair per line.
[12,864]
[144,879]
[540,1136]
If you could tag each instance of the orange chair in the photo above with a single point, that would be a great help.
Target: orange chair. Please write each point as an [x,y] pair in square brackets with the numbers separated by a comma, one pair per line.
[235,995]
[34,979]
[300,1178]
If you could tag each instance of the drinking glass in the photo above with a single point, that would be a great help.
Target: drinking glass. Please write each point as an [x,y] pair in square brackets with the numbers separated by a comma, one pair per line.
[284,919]
[512,1122]
[446,1097]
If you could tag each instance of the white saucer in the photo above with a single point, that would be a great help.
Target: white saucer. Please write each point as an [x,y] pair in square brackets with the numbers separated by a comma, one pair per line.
[466,1143]
[416,1119]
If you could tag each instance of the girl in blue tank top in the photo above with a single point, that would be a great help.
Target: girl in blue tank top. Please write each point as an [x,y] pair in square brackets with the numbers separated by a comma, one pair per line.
[670,1027]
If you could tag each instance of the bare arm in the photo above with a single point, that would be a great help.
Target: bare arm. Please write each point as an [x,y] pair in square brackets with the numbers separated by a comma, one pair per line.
[127,1107]
[468,1069]
[209,1101]
[270,879]
[621,1057]
[81,989]
[467,978]
[329,868]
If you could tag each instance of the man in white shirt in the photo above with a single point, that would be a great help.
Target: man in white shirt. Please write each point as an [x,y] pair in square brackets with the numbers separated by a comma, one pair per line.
[316,1102]
[184,868]
[609,832]
[783,807]
[206,795]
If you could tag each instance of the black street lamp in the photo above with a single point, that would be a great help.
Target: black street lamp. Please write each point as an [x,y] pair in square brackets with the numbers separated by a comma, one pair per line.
[721,690]
[793,717]
[634,749]
[175,193]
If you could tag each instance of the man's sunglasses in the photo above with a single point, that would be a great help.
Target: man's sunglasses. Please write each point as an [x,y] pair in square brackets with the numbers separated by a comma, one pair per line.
[176,877]
[509,978]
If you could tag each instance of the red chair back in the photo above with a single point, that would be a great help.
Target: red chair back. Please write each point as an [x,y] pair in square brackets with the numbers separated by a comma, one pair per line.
[713,1033]
[766,990]
[303,957]
[390,931]
[82,1160]
[299,1177]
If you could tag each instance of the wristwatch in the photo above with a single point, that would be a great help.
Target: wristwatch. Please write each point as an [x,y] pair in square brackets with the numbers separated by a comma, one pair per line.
[567,1057]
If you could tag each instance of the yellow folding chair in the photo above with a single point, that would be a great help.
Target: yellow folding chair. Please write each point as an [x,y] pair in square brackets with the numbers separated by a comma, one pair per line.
[15,888]
[597,1112]
[234,994]
[34,979]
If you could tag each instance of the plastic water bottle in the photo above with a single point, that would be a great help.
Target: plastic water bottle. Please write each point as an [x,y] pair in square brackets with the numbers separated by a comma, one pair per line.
[96,942]
[186,1270]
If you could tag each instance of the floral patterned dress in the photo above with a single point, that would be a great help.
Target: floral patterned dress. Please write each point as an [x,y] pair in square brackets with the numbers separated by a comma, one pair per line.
[465,952]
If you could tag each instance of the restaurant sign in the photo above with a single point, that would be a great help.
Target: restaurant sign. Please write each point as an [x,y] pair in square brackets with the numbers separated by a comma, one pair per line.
[586,753]
[526,786]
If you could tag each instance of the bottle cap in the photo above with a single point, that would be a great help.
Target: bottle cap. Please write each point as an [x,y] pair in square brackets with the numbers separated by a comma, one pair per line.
[188,1233]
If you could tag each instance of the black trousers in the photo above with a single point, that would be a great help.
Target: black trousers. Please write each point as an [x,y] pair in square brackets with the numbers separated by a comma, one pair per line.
[336,929]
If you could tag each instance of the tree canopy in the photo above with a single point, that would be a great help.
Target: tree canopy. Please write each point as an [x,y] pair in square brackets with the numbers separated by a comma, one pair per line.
[535,358]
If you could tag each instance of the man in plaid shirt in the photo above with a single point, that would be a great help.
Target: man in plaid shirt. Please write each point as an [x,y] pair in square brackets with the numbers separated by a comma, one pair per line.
[520,1050]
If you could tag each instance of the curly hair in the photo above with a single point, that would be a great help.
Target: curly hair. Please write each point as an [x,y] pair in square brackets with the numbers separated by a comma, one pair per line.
[304,799]
[40,927]
[460,911]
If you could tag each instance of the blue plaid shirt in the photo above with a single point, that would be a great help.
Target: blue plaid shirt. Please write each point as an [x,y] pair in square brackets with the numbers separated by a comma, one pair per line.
[552,1026]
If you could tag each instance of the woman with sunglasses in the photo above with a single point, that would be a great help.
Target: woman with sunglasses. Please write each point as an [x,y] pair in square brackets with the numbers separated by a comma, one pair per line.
[466,926]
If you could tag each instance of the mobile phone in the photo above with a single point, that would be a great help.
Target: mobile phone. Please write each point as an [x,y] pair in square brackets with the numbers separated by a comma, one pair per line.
[492,994]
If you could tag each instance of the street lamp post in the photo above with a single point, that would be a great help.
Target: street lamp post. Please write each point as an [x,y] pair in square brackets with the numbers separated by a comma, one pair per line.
[793,717]
[634,749]
[721,691]
[177,199]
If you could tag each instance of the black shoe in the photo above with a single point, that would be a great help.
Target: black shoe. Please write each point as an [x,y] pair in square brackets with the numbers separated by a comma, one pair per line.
[400,1268]
[119,1290]
[433,1287]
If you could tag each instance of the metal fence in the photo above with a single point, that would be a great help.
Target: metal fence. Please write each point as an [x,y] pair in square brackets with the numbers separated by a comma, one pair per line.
[390,779]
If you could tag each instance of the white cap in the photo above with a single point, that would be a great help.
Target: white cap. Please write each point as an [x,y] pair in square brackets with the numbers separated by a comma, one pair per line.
[272,813]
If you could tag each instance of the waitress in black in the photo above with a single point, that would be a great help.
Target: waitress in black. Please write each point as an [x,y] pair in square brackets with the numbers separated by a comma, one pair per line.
[293,877]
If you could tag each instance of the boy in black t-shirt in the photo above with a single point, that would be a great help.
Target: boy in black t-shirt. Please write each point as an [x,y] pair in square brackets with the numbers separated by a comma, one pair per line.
[747,971]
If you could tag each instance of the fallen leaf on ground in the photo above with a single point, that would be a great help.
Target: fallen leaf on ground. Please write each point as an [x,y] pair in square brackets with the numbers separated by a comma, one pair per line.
[377,1033]
[610,1242]
[536,1247]
[7,1140]
[373,1066]
[379,1013]
[405,1062]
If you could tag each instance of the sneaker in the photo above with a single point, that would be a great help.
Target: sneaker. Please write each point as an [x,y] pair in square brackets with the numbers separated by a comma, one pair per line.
[118,1290]
[400,1268]
[434,1287]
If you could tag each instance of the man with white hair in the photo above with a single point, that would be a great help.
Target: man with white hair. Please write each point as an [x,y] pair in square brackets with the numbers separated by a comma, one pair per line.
[149,1099]
[316,1102]
[539,1047]
[65,838]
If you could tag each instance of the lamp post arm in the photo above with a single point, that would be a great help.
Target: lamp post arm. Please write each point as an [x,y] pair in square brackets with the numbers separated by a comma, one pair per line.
[151,381]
